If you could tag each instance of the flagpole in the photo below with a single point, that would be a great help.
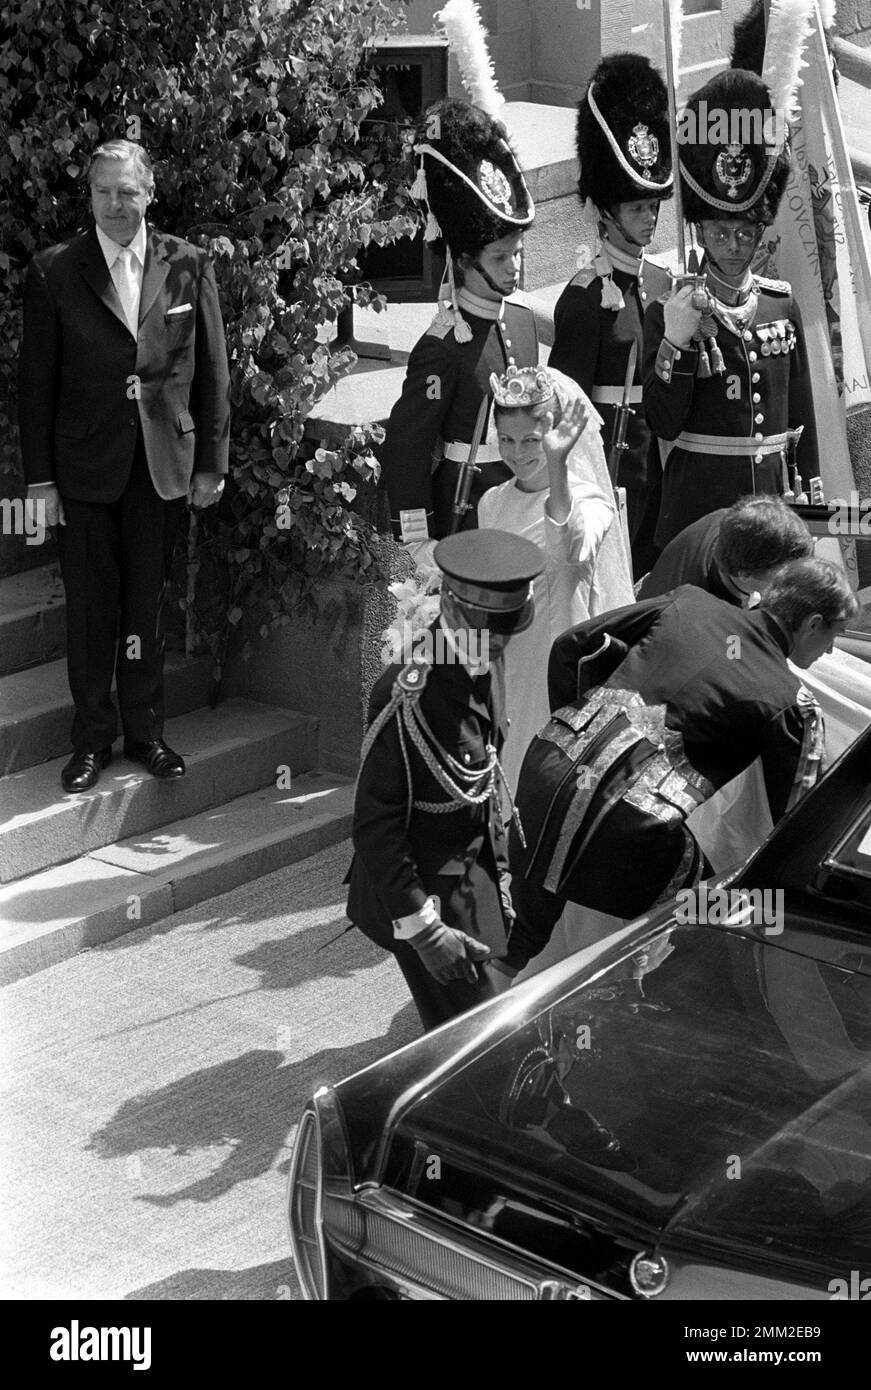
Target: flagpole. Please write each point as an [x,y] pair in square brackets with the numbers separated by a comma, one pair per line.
[671,86]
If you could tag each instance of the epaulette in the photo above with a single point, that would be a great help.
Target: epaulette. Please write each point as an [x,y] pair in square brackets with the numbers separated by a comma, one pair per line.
[584,277]
[413,677]
[439,328]
[763,282]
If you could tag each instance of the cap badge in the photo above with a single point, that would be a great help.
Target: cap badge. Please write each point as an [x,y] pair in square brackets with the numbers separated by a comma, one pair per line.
[495,186]
[733,168]
[643,147]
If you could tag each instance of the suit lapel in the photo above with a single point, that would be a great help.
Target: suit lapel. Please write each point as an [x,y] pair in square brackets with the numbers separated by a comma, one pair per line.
[95,272]
[156,271]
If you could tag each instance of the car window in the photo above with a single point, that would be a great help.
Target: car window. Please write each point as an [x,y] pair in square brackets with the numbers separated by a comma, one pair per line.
[646,1094]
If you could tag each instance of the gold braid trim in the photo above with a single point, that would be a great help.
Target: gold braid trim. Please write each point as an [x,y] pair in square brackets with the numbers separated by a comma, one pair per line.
[482,784]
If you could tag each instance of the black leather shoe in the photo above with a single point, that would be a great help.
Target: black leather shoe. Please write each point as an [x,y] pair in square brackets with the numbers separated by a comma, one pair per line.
[83,769]
[160,760]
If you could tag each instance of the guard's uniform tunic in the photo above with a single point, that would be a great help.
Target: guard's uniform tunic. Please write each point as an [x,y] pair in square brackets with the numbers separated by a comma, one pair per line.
[727,712]
[431,425]
[459,856]
[591,345]
[728,430]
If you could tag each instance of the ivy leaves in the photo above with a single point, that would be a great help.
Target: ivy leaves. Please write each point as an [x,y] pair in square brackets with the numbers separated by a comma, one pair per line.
[251,111]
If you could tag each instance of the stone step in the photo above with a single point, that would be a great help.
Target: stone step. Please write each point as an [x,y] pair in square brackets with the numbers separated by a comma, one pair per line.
[230,750]
[32,618]
[36,710]
[143,880]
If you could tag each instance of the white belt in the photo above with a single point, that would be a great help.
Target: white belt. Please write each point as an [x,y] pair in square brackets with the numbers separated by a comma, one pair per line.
[458,453]
[730,444]
[613,395]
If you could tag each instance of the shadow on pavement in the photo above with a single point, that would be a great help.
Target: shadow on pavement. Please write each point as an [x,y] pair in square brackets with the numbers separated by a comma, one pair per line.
[250,1102]
[273,1282]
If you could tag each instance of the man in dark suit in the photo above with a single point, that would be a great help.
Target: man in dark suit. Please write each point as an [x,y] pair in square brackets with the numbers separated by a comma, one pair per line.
[658,705]
[124,413]
[733,552]
[429,876]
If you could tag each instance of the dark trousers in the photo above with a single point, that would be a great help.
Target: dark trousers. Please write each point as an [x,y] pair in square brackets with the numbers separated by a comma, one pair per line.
[115,560]
[437,1003]
[642,506]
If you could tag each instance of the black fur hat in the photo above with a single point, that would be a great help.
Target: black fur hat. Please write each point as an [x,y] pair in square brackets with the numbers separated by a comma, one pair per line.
[748,39]
[473,185]
[622,133]
[730,163]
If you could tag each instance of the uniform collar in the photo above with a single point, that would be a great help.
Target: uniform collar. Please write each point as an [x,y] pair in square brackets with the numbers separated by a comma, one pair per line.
[622,260]
[480,308]
[773,626]
[474,668]
[730,295]
[111,249]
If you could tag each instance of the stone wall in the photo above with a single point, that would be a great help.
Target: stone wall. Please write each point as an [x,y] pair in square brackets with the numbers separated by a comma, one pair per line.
[545,50]
[853,21]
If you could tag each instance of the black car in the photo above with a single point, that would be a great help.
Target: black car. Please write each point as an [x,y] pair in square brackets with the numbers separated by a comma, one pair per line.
[680,1111]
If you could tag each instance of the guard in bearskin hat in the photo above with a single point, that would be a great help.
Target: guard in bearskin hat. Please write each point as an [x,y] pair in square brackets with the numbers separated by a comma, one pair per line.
[624,154]
[478,209]
[727,385]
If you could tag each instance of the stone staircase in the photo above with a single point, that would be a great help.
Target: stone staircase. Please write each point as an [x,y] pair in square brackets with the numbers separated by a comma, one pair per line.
[79,870]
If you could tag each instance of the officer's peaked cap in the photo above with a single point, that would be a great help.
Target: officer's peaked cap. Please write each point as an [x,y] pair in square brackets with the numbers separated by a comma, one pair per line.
[492,571]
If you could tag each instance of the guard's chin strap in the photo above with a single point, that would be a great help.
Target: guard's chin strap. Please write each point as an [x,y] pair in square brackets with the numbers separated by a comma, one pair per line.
[497,289]
[611,216]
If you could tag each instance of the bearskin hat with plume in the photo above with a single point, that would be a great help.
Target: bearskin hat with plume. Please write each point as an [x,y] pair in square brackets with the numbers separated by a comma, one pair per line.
[492,200]
[744,178]
[748,39]
[632,102]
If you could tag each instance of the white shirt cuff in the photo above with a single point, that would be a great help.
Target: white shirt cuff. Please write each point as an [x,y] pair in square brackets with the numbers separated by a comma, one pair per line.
[404,928]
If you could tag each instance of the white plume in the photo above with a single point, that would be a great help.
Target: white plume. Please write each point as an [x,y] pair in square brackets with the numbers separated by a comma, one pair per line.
[789,24]
[827,12]
[467,37]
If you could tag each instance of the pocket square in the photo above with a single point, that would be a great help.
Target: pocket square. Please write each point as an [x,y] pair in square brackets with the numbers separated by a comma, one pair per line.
[179,309]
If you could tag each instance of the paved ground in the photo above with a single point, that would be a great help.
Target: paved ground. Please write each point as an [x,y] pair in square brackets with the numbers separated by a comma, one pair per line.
[151,1089]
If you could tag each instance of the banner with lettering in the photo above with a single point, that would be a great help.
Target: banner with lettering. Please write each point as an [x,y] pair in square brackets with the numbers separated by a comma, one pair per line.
[817,244]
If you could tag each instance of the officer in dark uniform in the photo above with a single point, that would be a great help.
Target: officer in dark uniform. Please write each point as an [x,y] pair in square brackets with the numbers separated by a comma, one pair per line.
[726,386]
[429,876]
[658,705]
[624,154]
[479,208]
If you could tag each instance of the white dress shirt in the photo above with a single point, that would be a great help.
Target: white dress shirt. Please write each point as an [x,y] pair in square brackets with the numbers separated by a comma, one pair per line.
[127,282]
